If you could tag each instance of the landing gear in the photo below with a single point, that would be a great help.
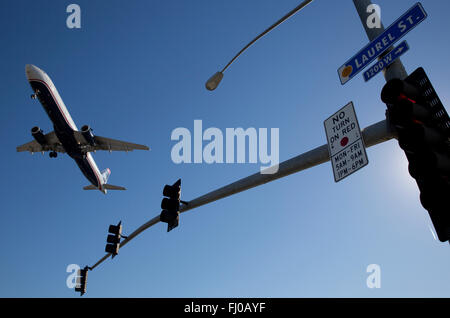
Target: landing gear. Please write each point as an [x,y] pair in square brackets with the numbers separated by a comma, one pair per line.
[53,154]
[35,95]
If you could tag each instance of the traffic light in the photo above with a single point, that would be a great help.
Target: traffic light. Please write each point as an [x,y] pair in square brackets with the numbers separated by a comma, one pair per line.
[82,280]
[171,205]
[113,239]
[423,127]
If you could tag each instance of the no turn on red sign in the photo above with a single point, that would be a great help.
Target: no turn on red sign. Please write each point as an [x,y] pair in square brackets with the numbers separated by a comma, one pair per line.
[345,143]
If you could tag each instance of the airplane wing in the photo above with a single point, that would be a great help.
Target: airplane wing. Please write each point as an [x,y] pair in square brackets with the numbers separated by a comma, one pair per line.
[103,143]
[52,144]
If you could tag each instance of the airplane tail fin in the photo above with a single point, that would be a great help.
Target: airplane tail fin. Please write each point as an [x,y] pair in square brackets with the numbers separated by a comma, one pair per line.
[105,174]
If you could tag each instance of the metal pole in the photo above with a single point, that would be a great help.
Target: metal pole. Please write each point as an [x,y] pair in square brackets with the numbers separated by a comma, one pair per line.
[373,134]
[396,69]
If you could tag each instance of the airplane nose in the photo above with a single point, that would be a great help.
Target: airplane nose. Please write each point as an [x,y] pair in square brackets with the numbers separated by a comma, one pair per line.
[29,68]
[33,72]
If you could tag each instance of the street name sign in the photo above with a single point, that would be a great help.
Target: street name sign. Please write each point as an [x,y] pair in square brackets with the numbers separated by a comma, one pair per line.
[381,43]
[345,144]
[386,60]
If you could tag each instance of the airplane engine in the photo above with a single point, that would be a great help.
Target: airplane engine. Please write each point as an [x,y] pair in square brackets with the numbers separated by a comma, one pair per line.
[87,133]
[38,135]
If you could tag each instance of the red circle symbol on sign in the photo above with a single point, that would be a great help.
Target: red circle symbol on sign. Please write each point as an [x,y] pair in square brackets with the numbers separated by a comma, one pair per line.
[344,141]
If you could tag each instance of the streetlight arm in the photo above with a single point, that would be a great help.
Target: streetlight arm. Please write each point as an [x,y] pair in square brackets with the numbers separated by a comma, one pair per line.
[284,18]
[214,80]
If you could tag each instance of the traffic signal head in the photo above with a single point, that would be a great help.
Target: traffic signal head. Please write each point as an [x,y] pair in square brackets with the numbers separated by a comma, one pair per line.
[82,281]
[423,132]
[113,239]
[171,205]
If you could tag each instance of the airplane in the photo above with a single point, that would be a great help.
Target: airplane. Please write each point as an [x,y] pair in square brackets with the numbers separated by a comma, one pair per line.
[66,138]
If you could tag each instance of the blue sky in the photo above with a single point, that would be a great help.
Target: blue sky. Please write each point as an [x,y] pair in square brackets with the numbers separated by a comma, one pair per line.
[136,71]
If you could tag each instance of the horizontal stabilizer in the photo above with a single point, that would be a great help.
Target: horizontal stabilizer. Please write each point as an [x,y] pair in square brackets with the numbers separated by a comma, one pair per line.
[106,186]
[112,187]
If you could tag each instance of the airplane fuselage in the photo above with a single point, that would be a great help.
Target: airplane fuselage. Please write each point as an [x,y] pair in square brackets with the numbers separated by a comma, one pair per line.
[63,124]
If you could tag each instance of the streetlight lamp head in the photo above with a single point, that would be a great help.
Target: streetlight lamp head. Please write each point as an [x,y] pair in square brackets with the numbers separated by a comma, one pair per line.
[214,81]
